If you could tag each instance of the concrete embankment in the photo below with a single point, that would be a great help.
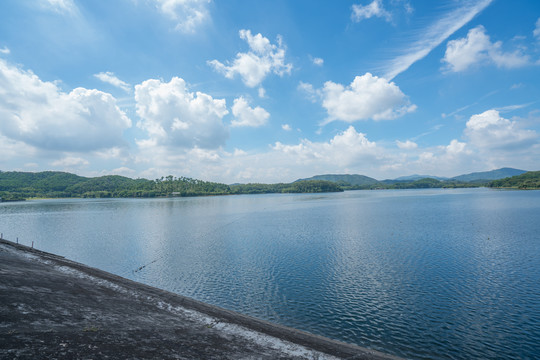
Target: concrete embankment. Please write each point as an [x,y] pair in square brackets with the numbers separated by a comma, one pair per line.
[51,307]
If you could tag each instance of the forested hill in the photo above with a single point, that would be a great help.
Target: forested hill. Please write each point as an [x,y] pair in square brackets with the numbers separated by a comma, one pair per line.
[346,179]
[477,179]
[489,175]
[53,184]
[528,180]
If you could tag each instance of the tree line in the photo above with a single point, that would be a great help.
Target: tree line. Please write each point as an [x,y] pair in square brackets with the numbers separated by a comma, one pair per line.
[52,184]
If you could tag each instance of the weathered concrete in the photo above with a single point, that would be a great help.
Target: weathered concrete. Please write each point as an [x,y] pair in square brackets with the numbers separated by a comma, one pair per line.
[54,308]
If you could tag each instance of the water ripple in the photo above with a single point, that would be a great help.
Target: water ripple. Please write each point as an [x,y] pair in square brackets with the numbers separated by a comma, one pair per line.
[438,274]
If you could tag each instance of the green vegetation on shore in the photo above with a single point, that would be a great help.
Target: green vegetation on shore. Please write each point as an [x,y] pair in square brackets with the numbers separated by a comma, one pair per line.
[528,180]
[53,184]
[16,186]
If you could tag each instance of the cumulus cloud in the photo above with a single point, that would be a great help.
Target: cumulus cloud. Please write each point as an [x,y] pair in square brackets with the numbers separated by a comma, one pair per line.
[367,97]
[455,148]
[110,78]
[42,115]
[477,48]
[172,115]
[345,149]
[248,116]
[262,59]
[456,156]
[188,14]
[348,151]
[286,127]
[489,131]
[5,50]
[373,9]
[489,141]
[407,145]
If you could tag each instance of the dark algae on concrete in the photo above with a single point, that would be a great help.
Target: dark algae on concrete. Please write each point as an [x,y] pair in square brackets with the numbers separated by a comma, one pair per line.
[53,308]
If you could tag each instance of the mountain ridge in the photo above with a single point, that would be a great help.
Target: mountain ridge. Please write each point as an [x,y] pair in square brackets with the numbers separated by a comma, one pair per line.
[490,175]
[361,180]
[351,179]
[55,184]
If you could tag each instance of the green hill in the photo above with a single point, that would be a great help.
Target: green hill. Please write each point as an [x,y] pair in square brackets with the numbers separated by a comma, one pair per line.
[50,180]
[528,180]
[53,184]
[346,180]
[489,175]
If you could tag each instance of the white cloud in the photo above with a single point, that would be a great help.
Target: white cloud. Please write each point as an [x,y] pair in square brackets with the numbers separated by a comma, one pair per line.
[477,48]
[367,97]
[456,156]
[536,31]
[373,9]
[318,61]
[248,116]
[262,92]
[123,171]
[462,53]
[489,131]
[70,162]
[40,114]
[455,148]
[15,152]
[5,50]
[172,115]
[348,151]
[110,78]
[286,127]
[434,35]
[513,107]
[61,6]
[309,91]
[407,145]
[188,14]
[348,148]
[408,7]
[262,59]
[491,142]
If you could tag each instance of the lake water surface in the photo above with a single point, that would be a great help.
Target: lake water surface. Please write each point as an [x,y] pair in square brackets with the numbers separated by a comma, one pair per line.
[438,274]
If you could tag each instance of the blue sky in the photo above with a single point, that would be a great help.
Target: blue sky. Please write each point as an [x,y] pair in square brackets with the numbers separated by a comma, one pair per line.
[269,91]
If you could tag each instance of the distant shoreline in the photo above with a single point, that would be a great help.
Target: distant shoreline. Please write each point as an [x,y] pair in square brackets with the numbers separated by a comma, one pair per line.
[16,186]
[212,195]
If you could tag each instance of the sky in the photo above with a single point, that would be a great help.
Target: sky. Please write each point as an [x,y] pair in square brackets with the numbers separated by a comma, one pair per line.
[242,91]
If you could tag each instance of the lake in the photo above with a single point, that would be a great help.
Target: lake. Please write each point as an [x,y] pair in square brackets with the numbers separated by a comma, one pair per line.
[424,274]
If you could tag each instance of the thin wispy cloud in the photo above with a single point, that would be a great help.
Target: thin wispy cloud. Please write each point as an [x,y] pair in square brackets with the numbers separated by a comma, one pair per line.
[514,107]
[463,108]
[434,35]
[429,132]
[65,7]
[110,78]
